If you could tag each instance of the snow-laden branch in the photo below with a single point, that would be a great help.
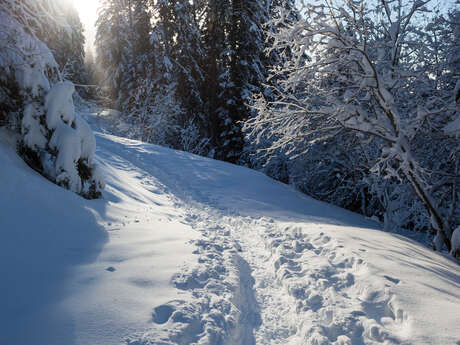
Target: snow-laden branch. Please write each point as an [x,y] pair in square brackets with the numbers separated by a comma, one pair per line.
[347,70]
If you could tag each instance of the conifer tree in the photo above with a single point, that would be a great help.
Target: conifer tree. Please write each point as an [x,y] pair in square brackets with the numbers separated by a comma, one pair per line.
[36,103]
[111,44]
[215,14]
[187,54]
[234,58]
[69,48]
[123,27]
[182,48]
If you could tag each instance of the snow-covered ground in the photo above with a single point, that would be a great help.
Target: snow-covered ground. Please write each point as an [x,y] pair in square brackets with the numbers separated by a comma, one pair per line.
[188,250]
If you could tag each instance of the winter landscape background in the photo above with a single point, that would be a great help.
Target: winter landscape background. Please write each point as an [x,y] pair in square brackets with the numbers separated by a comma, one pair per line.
[230,172]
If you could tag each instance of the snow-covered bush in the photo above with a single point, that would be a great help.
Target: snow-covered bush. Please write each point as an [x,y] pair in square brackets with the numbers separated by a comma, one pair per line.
[191,140]
[55,141]
[153,114]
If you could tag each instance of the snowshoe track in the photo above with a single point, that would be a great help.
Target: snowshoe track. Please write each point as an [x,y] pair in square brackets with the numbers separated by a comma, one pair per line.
[322,292]
[310,289]
[222,309]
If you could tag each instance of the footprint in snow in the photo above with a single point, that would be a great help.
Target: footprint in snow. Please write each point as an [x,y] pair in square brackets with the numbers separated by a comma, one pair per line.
[393,280]
[162,314]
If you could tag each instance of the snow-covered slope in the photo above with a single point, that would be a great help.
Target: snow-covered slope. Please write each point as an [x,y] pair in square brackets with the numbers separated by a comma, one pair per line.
[75,271]
[187,250]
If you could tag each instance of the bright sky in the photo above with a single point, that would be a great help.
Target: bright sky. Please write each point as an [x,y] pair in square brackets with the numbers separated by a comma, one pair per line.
[88,16]
[87,10]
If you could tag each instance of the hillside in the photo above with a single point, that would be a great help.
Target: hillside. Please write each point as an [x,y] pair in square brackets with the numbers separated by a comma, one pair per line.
[187,250]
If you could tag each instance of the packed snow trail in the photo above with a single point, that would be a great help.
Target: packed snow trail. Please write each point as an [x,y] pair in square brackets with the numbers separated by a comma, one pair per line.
[187,250]
[322,274]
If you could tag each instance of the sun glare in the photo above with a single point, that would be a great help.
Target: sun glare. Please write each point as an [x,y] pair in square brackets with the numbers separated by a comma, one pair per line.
[87,9]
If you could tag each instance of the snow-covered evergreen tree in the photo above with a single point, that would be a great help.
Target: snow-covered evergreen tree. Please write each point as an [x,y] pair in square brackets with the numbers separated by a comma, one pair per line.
[187,54]
[247,70]
[235,68]
[122,43]
[37,105]
[68,45]
[216,61]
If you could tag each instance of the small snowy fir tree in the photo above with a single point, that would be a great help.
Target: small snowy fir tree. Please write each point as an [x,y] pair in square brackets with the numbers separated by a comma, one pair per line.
[54,140]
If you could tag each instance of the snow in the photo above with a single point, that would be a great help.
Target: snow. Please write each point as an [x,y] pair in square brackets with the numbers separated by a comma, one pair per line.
[45,232]
[59,104]
[66,142]
[84,272]
[30,57]
[455,251]
[87,139]
[34,134]
[453,128]
[187,250]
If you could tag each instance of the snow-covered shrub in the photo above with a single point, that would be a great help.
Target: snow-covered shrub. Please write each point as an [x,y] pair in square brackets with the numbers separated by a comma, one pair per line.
[153,114]
[55,141]
[191,140]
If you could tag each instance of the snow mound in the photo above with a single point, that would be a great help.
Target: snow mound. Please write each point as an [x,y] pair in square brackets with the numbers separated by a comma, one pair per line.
[59,105]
